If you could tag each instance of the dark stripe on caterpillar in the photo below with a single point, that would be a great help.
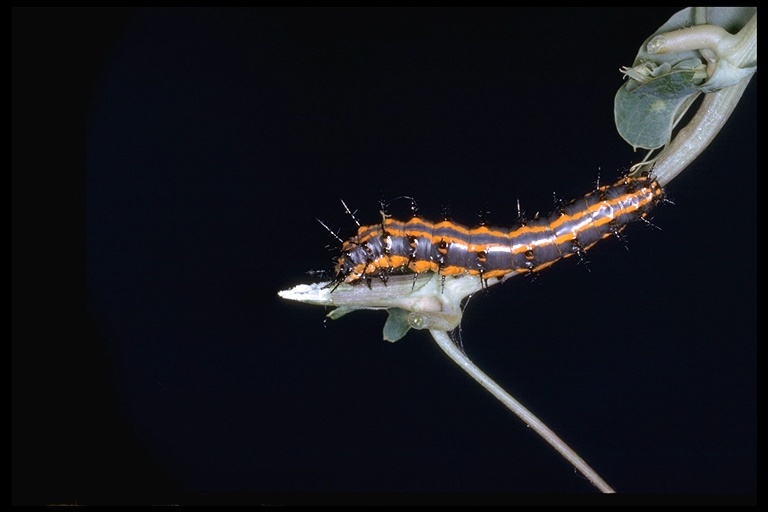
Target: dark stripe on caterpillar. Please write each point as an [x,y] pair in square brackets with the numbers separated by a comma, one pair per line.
[450,249]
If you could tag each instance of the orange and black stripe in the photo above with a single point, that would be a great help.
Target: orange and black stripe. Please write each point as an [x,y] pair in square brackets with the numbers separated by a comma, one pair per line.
[450,249]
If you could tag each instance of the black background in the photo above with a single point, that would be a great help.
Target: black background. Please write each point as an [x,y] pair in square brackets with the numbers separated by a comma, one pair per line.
[169,166]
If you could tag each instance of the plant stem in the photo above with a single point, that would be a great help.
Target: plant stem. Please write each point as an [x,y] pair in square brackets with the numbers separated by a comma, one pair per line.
[445,342]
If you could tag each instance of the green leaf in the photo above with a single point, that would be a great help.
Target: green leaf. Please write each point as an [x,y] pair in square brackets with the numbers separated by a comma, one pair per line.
[688,55]
[339,312]
[397,324]
[646,115]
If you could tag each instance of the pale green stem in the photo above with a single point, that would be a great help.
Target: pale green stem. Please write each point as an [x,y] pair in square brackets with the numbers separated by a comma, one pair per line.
[710,37]
[445,342]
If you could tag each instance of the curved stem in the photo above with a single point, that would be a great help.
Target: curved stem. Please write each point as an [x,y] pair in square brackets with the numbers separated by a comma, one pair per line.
[711,116]
[710,37]
[445,342]
[715,110]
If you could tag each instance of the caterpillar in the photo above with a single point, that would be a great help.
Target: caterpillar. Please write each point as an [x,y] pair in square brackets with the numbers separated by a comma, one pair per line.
[451,249]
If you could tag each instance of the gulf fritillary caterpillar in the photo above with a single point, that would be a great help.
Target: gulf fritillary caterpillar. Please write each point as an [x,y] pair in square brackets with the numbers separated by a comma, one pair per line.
[451,249]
